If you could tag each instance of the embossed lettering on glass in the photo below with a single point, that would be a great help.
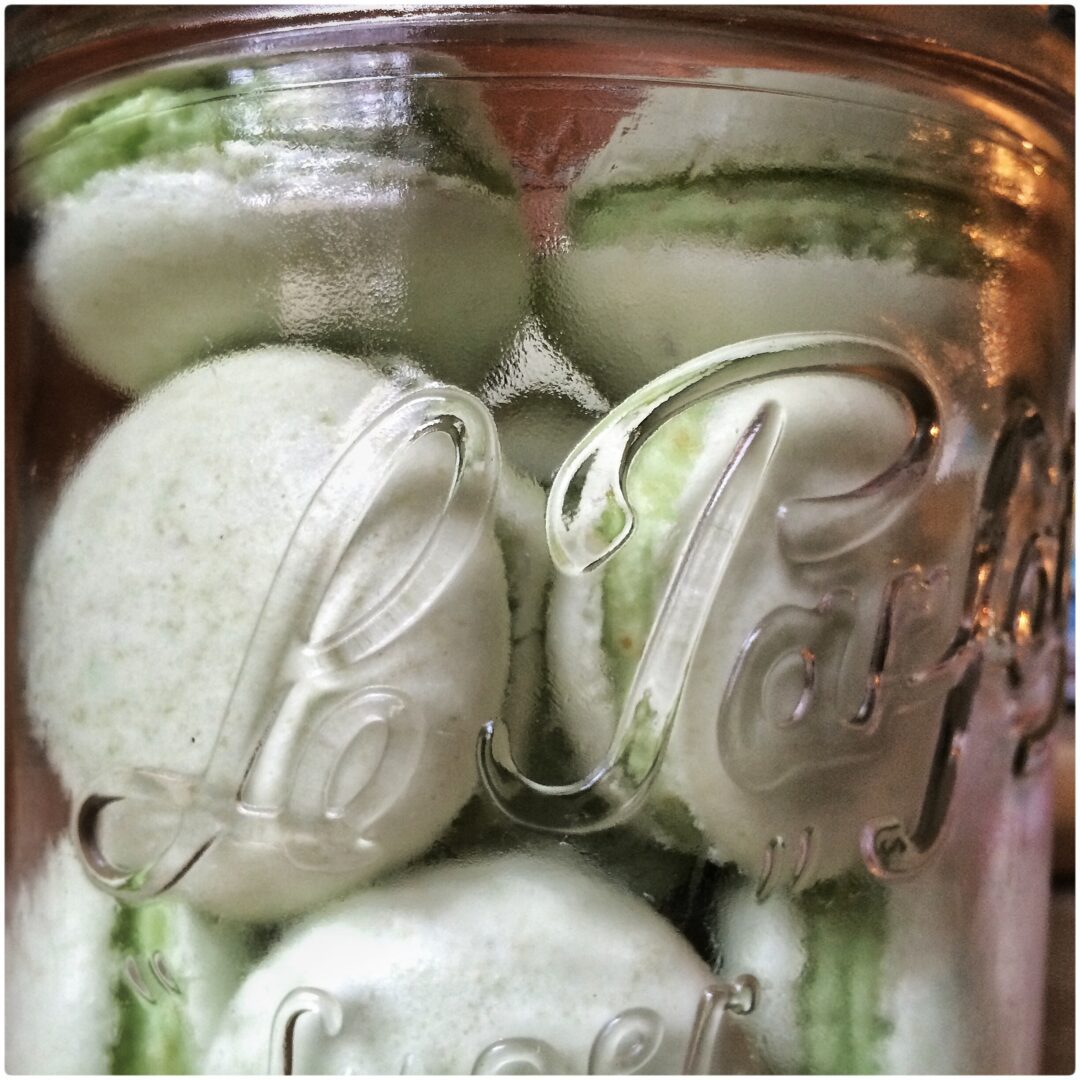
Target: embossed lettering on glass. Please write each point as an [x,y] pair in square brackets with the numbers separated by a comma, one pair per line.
[310,758]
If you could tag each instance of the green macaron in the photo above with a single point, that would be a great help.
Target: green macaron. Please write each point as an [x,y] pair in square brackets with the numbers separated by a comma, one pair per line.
[765,761]
[767,203]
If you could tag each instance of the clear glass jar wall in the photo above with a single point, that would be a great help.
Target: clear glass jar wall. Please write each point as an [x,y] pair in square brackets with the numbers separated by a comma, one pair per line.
[536,544]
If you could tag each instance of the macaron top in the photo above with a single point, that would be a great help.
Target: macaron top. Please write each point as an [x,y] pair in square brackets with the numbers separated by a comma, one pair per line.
[444,969]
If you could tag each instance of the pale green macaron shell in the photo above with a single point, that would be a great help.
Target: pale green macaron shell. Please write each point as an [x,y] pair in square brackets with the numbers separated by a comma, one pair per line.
[178,224]
[150,578]
[715,215]
[429,973]
[739,775]
[94,988]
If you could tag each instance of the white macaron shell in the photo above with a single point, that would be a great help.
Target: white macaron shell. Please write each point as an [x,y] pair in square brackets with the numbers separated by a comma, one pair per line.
[432,970]
[158,264]
[57,972]
[839,432]
[148,583]
[629,311]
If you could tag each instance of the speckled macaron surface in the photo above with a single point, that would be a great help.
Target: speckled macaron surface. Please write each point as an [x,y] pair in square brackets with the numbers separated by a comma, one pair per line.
[525,959]
[760,760]
[149,582]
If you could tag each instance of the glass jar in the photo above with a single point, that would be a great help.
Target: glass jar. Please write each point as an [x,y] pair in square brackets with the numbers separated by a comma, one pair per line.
[536,538]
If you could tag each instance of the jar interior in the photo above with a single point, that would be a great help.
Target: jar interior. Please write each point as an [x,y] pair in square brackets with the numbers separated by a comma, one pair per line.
[433,472]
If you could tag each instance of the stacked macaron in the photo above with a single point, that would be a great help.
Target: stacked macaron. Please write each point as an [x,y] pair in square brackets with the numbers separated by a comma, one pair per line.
[94,988]
[208,603]
[762,204]
[357,203]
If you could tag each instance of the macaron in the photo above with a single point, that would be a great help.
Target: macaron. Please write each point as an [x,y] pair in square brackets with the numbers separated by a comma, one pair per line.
[251,615]
[95,988]
[530,962]
[349,203]
[778,755]
[770,202]
[854,977]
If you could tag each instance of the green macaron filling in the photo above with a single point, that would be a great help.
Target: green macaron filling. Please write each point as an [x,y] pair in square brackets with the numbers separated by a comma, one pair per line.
[120,127]
[142,120]
[840,988]
[152,1037]
[634,578]
[857,214]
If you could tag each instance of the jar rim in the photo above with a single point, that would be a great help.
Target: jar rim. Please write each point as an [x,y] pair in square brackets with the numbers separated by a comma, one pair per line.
[1010,54]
